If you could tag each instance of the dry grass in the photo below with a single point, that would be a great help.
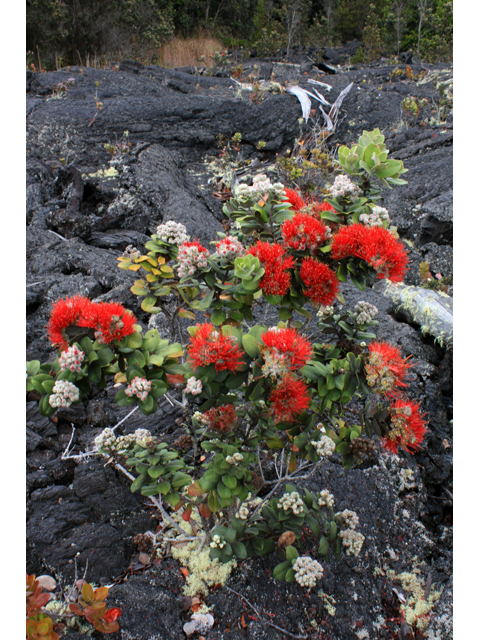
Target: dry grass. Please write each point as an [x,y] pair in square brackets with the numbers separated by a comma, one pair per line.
[181,52]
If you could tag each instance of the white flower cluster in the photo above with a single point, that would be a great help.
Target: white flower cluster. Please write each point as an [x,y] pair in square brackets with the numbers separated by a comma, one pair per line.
[291,501]
[347,518]
[323,312]
[194,386]
[307,571]
[324,447]
[365,312]
[139,387]
[343,187]
[190,259]
[71,359]
[229,248]
[64,394]
[235,459]
[243,512]
[217,542]
[326,499]
[376,218]
[172,232]
[106,440]
[352,541]
[131,253]
[277,364]
[260,188]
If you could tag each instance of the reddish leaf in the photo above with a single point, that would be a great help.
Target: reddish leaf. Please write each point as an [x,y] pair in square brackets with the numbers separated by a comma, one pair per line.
[242,621]
[184,572]
[74,608]
[204,510]
[175,378]
[195,490]
[112,614]
[187,514]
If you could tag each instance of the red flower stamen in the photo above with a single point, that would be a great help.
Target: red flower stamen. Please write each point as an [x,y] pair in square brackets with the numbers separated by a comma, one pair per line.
[209,346]
[67,313]
[303,232]
[284,351]
[376,245]
[408,427]
[295,199]
[277,280]
[221,418]
[321,283]
[385,368]
[289,399]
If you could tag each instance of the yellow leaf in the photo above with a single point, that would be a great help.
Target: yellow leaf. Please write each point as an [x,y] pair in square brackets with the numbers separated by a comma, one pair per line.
[292,463]
[134,267]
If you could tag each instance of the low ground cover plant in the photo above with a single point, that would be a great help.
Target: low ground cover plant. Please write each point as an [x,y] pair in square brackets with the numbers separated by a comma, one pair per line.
[263,405]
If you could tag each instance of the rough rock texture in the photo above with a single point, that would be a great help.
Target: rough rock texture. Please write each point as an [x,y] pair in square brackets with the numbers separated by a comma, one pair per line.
[82,211]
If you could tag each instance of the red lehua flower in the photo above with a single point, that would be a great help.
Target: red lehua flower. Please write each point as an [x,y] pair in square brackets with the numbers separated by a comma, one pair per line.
[209,346]
[408,427]
[112,614]
[295,199]
[111,321]
[376,245]
[277,280]
[289,399]
[348,241]
[320,281]
[385,368]
[67,313]
[285,348]
[221,418]
[303,232]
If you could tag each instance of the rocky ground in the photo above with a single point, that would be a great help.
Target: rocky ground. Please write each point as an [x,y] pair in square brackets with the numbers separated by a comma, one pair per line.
[82,211]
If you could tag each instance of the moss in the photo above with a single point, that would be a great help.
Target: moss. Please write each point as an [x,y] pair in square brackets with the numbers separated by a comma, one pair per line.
[328,602]
[203,572]
[104,173]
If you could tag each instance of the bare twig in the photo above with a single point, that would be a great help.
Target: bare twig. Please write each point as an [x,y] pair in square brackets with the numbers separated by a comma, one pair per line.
[173,401]
[34,283]
[270,624]
[123,419]
[58,235]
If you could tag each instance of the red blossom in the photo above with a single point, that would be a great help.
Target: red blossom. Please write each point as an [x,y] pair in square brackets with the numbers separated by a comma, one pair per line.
[277,280]
[286,345]
[376,245]
[385,368]
[289,399]
[67,313]
[111,321]
[303,232]
[321,283]
[221,418]
[209,346]
[112,614]
[295,199]
[408,427]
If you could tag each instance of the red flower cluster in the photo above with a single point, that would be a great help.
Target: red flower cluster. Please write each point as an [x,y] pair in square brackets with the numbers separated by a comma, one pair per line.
[221,418]
[209,346]
[385,368]
[110,320]
[303,232]
[277,279]
[408,427]
[285,349]
[376,245]
[289,399]
[295,199]
[321,283]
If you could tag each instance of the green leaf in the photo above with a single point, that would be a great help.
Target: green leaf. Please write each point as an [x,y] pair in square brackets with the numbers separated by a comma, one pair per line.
[239,550]
[250,345]
[218,317]
[123,400]
[323,547]
[156,471]
[229,481]
[280,571]
[148,303]
[290,575]
[291,553]
[333,530]
[223,491]
[342,448]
